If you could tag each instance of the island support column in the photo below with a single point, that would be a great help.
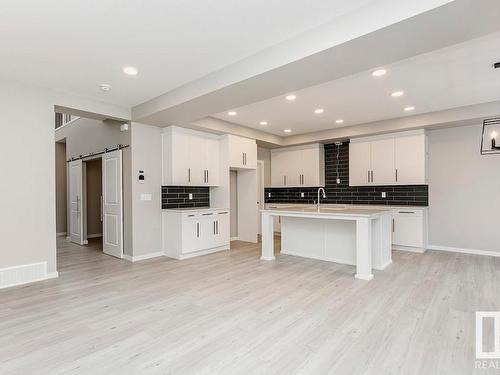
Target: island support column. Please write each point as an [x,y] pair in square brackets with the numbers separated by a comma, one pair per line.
[267,237]
[363,249]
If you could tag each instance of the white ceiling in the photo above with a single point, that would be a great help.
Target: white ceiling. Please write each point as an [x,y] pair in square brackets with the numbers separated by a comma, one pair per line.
[76,45]
[451,77]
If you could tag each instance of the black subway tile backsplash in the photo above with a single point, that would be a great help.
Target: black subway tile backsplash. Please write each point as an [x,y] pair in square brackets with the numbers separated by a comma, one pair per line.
[396,195]
[178,196]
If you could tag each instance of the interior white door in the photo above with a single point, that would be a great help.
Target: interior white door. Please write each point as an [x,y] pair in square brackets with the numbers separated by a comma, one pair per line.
[112,209]
[76,198]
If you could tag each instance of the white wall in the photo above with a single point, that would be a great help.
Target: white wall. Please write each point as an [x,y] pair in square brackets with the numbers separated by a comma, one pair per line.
[146,156]
[27,157]
[464,191]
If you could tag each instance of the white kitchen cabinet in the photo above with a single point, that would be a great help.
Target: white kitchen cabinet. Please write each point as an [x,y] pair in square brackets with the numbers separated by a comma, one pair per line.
[391,159]
[300,166]
[382,162]
[409,229]
[190,158]
[242,152]
[189,233]
[410,159]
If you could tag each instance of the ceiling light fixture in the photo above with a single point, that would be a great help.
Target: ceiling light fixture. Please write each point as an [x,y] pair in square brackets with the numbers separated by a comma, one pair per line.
[290,97]
[397,94]
[105,87]
[379,73]
[263,123]
[319,111]
[130,70]
[339,121]
[232,113]
[287,130]
[409,108]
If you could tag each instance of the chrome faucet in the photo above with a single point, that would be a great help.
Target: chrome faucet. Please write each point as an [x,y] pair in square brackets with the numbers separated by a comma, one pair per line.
[324,195]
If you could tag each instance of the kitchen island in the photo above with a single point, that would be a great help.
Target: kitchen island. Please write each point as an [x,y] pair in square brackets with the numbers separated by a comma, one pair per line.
[354,236]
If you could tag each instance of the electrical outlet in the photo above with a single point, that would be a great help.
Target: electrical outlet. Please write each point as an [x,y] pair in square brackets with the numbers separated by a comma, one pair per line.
[338,181]
[302,195]
[269,195]
[190,196]
[384,194]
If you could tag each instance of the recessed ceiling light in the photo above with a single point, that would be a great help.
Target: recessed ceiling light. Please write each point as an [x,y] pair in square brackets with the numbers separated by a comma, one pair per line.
[379,73]
[319,111]
[105,87]
[409,108]
[290,97]
[263,123]
[397,94]
[130,70]
[232,113]
[287,130]
[339,121]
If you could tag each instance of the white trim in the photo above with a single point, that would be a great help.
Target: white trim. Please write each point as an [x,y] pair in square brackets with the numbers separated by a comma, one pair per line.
[234,238]
[97,235]
[418,250]
[24,274]
[202,252]
[61,234]
[85,242]
[464,251]
[143,257]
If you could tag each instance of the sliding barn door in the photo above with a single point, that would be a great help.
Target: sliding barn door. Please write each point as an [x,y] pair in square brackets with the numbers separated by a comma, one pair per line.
[76,198]
[112,207]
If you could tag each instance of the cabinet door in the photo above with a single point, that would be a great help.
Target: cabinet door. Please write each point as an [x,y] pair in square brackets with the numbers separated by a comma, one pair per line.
[278,168]
[292,167]
[382,162]
[308,167]
[410,159]
[180,161]
[212,162]
[359,163]
[222,228]
[197,148]
[191,235]
[250,154]
[408,228]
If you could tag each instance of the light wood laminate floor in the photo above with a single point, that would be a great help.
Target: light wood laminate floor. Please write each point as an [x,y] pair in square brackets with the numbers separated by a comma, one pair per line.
[230,313]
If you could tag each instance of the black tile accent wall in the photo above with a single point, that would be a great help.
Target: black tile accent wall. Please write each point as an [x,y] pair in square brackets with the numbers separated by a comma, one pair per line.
[397,195]
[178,196]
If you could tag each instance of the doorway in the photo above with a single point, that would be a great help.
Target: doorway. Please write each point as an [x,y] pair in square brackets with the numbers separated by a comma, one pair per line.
[93,182]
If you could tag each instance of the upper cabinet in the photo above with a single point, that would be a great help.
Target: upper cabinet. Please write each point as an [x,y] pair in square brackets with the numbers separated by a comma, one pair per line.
[392,159]
[301,166]
[242,152]
[190,158]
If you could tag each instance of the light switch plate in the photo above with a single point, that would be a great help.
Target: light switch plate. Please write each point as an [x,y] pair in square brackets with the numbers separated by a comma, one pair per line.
[384,194]
[146,197]
[190,196]
[338,181]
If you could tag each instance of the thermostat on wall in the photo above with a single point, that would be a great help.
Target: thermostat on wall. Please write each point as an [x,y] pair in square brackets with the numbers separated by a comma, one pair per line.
[141,177]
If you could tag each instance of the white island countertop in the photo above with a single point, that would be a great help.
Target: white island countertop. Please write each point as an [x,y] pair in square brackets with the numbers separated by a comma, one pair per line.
[194,209]
[328,211]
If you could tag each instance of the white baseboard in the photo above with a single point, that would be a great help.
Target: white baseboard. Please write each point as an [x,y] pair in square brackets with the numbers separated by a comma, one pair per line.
[138,258]
[61,234]
[24,274]
[418,250]
[85,242]
[198,253]
[234,239]
[94,235]
[464,251]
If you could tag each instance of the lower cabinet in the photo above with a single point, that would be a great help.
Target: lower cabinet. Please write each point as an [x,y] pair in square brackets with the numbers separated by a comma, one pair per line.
[409,229]
[191,233]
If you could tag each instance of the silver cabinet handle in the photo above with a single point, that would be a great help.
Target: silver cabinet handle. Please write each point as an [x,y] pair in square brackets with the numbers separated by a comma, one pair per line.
[198,230]
[207,176]
[189,174]
[396,175]
[392,225]
[209,214]
[372,176]
[368,176]
[214,226]
[406,212]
